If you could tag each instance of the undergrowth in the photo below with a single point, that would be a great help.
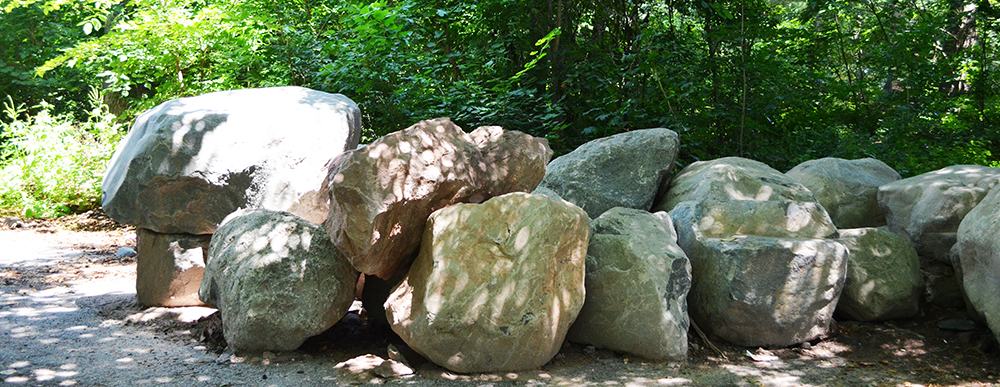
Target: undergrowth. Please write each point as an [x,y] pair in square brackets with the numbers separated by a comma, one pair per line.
[50,164]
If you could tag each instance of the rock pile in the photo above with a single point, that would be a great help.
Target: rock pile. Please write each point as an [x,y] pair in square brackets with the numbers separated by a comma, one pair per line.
[478,275]
[188,163]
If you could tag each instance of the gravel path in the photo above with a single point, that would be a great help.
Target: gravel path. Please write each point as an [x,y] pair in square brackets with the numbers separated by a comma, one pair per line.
[68,316]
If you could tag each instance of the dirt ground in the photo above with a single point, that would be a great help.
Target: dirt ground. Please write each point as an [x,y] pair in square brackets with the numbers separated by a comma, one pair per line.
[68,316]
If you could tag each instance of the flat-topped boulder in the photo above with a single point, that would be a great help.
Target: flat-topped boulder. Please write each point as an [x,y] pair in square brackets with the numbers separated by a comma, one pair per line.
[623,170]
[496,285]
[928,208]
[732,178]
[189,162]
[382,194]
[779,219]
[847,189]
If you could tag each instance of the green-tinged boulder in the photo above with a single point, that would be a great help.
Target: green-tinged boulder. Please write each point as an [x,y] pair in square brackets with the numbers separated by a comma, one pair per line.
[779,219]
[847,189]
[623,170]
[883,277]
[732,178]
[637,285]
[979,255]
[276,280]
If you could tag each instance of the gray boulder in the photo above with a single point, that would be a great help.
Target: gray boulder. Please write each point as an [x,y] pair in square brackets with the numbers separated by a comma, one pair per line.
[928,208]
[169,268]
[979,255]
[189,162]
[847,189]
[732,178]
[883,276]
[276,280]
[623,170]
[779,219]
[775,289]
[496,285]
[382,194]
[637,285]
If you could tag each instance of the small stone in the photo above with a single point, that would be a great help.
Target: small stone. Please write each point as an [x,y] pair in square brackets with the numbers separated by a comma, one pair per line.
[268,355]
[390,369]
[957,325]
[125,252]
[394,354]
[589,349]
[806,345]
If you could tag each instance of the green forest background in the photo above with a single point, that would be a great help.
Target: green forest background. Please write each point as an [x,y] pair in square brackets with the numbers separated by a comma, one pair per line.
[910,82]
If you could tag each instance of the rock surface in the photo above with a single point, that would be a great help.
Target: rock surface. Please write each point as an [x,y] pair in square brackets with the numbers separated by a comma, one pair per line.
[169,268]
[979,255]
[883,276]
[276,280]
[623,170]
[189,162]
[382,194]
[496,285]
[779,219]
[775,289]
[637,285]
[761,291]
[732,178]
[847,189]
[928,208]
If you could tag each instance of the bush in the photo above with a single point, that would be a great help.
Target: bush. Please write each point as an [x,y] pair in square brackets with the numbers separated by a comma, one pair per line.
[51,165]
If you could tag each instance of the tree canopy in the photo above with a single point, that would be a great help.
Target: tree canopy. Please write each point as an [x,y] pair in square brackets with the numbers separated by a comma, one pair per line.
[910,82]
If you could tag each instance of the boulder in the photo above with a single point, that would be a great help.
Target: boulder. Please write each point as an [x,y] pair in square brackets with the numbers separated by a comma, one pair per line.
[883,276]
[847,189]
[928,208]
[382,194]
[496,285]
[169,268]
[732,178]
[637,285]
[762,291]
[779,219]
[189,162]
[979,257]
[775,289]
[623,170]
[276,280]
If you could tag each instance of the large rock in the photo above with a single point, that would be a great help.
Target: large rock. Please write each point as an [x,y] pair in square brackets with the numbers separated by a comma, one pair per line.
[169,268]
[382,194]
[928,208]
[779,219]
[732,178]
[496,285]
[979,255]
[189,162]
[775,289]
[624,170]
[847,189]
[883,276]
[276,279]
[637,285]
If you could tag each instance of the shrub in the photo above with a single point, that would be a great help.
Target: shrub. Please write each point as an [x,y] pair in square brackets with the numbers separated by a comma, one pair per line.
[51,165]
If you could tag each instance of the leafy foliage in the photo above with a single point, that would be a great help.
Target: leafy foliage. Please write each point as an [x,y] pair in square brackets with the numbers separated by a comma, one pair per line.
[913,83]
[51,165]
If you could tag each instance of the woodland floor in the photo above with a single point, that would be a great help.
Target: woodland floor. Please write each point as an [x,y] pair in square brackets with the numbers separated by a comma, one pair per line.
[68,316]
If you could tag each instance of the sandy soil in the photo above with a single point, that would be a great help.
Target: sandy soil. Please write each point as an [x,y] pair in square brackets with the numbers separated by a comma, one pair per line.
[68,316]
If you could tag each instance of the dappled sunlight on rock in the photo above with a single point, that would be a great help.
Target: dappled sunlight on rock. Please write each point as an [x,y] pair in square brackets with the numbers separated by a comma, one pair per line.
[276,280]
[479,298]
[381,195]
[883,277]
[732,178]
